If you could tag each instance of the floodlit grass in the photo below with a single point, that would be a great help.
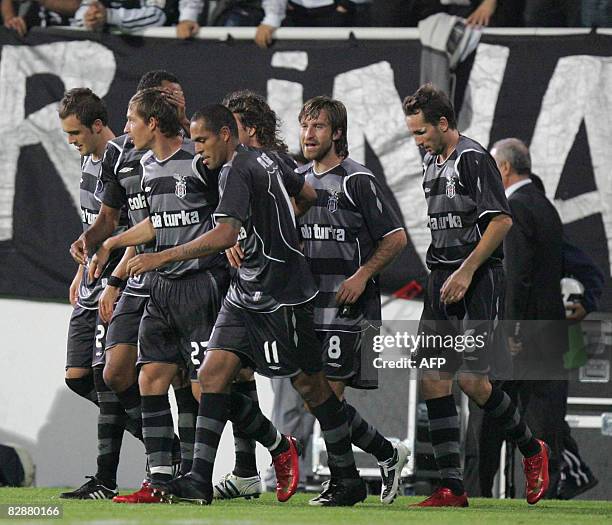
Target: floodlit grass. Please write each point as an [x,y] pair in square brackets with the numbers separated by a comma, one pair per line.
[267,511]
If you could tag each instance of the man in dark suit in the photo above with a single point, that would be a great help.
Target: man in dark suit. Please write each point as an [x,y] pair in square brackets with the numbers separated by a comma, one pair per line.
[534,308]
[536,256]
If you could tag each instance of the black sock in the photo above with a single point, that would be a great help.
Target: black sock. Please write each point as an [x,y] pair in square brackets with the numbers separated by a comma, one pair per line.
[250,421]
[500,406]
[366,437]
[444,434]
[158,433]
[212,416]
[131,403]
[111,424]
[187,415]
[334,426]
[84,387]
[246,463]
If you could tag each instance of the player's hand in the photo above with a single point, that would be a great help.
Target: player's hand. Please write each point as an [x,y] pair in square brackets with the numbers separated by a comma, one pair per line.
[351,289]
[235,255]
[263,35]
[98,262]
[515,346]
[187,29]
[73,294]
[177,99]
[95,16]
[78,250]
[481,16]
[17,23]
[143,263]
[455,287]
[576,312]
[107,301]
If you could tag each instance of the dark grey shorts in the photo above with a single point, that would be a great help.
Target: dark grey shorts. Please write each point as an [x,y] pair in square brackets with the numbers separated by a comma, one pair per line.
[277,344]
[179,317]
[86,339]
[472,319]
[124,325]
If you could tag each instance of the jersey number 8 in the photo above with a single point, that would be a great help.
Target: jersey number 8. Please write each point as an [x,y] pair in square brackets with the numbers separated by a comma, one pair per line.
[334,347]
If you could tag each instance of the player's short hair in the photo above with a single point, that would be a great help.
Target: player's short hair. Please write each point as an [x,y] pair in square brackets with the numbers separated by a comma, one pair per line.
[254,112]
[155,78]
[152,103]
[516,153]
[84,104]
[336,112]
[216,117]
[433,103]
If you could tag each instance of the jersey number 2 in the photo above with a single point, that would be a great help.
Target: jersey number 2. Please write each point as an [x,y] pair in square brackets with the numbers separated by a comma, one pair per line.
[195,353]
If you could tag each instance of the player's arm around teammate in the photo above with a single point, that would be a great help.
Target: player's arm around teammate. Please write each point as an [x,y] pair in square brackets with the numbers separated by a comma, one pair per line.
[141,233]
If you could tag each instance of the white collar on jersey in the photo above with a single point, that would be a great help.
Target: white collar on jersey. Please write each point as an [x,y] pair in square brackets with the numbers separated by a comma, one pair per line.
[512,188]
[326,171]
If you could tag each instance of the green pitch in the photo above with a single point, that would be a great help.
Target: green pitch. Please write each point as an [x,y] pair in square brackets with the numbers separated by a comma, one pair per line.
[267,511]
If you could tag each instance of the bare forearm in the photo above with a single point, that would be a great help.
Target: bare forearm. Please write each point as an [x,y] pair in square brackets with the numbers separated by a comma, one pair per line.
[220,238]
[7,10]
[64,7]
[102,228]
[493,236]
[304,200]
[121,270]
[301,207]
[142,233]
[388,249]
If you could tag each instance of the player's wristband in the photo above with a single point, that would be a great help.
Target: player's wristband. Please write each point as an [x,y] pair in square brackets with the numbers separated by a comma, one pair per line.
[116,282]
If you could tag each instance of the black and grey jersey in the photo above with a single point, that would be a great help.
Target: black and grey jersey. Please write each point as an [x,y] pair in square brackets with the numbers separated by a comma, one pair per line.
[255,189]
[340,233]
[91,190]
[122,178]
[182,196]
[463,194]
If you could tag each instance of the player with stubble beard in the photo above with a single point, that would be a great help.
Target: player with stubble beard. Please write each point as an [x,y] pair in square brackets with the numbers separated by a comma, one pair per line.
[349,235]
[469,217]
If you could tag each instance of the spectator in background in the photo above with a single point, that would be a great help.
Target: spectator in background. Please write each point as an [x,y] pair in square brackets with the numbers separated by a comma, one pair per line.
[500,13]
[22,15]
[128,15]
[597,13]
[237,13]
[310,13]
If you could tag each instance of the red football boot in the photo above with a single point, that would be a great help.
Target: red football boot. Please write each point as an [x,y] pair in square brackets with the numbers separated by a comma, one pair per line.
[536,474]
[143,495]
[444,497]
[287,468]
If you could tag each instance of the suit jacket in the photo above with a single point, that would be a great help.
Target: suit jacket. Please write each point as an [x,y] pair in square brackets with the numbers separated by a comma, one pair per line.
[533,259]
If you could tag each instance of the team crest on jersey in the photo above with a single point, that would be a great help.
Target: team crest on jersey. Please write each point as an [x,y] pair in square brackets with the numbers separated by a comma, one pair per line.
[332,201]
[450,187]
[181,186]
